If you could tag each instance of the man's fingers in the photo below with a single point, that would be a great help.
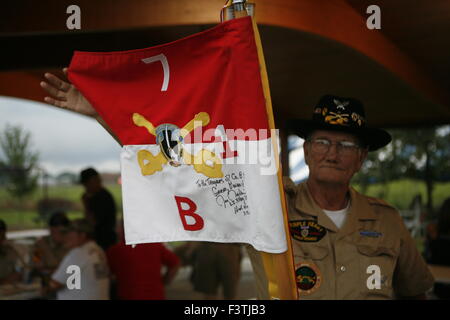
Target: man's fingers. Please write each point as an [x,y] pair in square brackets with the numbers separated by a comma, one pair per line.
[57,82]
[52,90]
[56,103]
[53,80]
[49,88]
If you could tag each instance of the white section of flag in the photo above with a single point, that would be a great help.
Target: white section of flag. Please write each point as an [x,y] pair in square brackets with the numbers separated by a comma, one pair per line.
[248,211]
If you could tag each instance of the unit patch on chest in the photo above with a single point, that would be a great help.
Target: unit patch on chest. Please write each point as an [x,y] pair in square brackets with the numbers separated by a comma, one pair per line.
[308,278]
[306,230]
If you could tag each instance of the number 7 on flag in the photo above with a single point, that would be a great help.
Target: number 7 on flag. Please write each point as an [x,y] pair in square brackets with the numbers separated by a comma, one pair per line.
[165,64]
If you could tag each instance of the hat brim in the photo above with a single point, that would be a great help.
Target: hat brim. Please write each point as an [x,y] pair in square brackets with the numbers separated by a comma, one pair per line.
[373,138]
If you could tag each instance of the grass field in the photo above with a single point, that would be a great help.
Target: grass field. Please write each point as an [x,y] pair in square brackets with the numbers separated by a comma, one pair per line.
[24,216]
[400,193]
[69,192]
[28,219]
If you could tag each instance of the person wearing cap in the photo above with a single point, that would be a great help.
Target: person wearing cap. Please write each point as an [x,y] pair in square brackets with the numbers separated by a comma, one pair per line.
[50,250]
[100,208]
[83,274]
[10,260]
[347,245]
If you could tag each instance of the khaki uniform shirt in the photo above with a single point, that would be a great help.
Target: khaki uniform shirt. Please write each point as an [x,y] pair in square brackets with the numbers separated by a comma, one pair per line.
[371,257]
[49,253]
[9,260]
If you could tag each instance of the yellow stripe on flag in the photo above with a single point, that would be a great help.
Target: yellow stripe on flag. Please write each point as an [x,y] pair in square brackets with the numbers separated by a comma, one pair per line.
[279,267]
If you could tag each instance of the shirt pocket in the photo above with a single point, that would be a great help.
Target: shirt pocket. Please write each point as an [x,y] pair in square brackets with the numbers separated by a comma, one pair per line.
[310,252]
[377,265]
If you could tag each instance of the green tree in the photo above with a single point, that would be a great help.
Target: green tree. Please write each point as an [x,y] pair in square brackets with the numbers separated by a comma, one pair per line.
[419,153]
[18,162]
[425,155]
[379,167]
[67,178]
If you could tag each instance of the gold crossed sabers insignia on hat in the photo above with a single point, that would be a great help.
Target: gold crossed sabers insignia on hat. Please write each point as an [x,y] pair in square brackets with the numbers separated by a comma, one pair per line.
[337,118]
[150,163]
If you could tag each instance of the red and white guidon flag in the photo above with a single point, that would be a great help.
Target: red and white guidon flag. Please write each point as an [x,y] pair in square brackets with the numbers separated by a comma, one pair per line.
[197,160]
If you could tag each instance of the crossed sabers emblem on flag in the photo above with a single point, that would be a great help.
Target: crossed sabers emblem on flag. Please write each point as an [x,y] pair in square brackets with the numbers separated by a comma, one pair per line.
[170,140]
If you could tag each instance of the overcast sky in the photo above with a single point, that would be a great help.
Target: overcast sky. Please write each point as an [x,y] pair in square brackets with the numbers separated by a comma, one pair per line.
[65,141]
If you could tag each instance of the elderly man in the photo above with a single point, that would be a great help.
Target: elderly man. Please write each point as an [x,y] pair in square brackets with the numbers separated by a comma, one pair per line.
[347,245]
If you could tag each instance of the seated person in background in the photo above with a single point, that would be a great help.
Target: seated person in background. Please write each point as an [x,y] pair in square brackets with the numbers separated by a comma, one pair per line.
[137,270]
[50,250]
[85,261]
[10,260]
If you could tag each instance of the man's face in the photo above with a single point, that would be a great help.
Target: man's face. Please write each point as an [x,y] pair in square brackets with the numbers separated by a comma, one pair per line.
[93,184]
[333,166]
[57,233]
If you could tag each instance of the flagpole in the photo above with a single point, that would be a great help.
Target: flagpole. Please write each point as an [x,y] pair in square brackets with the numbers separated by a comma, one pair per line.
[279,268]
[236,9]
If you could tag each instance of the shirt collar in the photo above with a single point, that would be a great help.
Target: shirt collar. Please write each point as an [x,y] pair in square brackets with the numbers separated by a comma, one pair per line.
[360,208]
[306,204]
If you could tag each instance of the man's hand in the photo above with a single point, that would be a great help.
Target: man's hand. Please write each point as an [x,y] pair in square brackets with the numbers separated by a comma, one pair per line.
[64,95]
[53,286]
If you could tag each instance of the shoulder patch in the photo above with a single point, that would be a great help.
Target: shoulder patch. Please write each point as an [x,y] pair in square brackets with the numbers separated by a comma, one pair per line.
[378,202]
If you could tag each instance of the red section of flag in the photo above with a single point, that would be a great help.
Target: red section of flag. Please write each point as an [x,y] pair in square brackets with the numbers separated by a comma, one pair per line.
[215,71]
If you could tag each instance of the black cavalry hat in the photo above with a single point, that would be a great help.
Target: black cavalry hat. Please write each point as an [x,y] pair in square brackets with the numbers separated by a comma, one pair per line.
[345,115]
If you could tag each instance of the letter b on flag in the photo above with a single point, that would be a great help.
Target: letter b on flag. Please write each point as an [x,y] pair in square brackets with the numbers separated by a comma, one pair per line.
[189,212]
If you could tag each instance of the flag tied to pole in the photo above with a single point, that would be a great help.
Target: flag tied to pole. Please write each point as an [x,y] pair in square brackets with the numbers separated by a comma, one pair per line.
[198,160]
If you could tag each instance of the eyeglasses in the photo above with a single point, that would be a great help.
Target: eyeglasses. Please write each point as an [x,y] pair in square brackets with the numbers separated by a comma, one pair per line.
[322,146]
